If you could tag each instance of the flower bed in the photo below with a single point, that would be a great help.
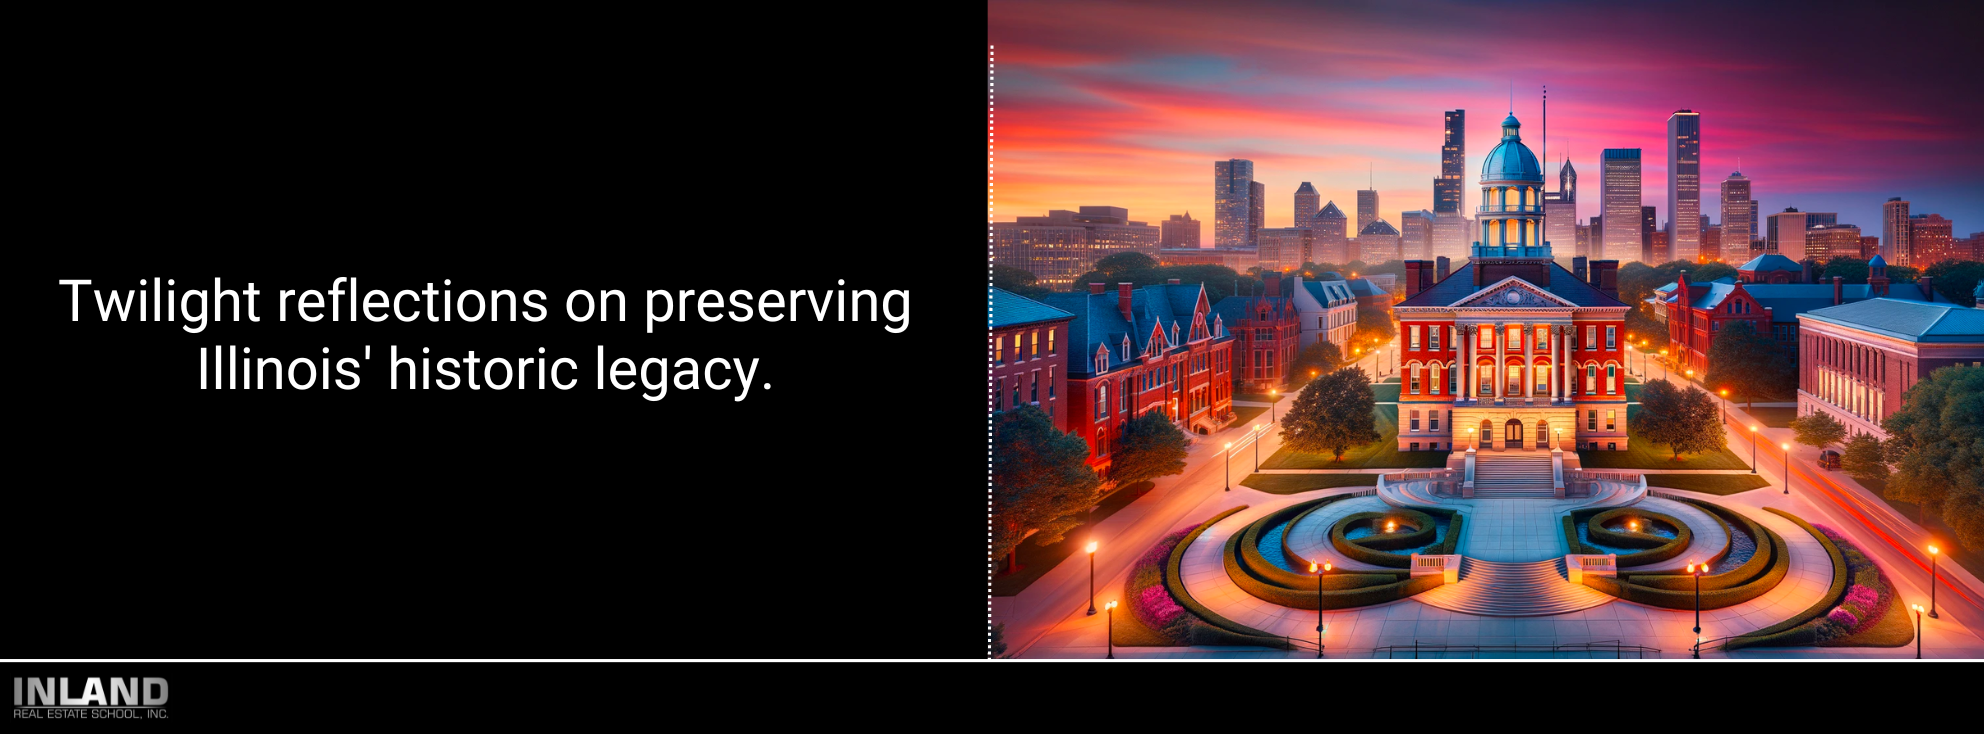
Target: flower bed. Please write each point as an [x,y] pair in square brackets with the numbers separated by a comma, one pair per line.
[1174,617]
[1870,615]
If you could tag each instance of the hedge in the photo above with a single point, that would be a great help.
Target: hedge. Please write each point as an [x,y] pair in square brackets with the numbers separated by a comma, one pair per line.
[1666,550]
[1244,547]
[1340,590]
[1596,530]
[1422,533]
[1217,630]
[1794,632]
[1571,537]
[1727,578]
[1295,560]
[1631,590]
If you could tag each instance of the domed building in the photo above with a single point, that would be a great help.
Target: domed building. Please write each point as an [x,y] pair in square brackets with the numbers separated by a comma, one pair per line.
[1511,359]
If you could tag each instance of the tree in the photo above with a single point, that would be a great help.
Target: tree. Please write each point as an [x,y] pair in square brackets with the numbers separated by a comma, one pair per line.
[1818,430]
[1851,270]
[1942,418]
[1686,421]
[998,639]
[1660,406]
[1322,358]
[1151,446]
[1863,458]
[1016,280]
[1125,262]
[1956,279]
[1903,273]
[1373,324]
[1040,481]
[1709,271]
[1335,413]
[1748,364]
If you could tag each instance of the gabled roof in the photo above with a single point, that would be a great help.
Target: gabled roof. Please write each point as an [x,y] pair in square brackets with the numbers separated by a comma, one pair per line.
[1908,320]
[1764,263]
[1326,291]
[1478,298]
[1563,284]
[1705,295]
[1012,309]
[1364,287]
[1097,322]
[1787,300]
[1330,210]
[1378,227]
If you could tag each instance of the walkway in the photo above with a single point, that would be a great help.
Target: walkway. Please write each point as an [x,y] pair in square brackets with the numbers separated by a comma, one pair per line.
[1310,538]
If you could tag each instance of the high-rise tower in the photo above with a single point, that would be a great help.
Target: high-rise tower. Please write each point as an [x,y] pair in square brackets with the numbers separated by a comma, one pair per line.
[1257,211]
[1367,207]
[1895,240]
[1619,204]
[1307,203]
[1453,165]
[1232,192]
[1738,219]
[1684,184]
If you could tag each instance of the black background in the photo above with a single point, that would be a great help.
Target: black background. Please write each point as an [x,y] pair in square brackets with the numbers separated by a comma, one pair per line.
[836,514]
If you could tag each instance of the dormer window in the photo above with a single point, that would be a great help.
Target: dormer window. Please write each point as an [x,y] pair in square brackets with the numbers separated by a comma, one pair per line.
[1126,348]
[1101,359]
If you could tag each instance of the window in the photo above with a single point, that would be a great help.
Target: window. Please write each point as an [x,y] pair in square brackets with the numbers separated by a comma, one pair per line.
[1050,376]
[1590,338]
[1591,379]
[1434,422]
[1016,392]
[1320,324]
[1124,402]
[1415,339]
[1101,442]
[1591,422]
[1415,421]
[1486,338]
[1611,380]
[1611,447]
[1050,341]
[1542,337]
[999,349]
[1513,338]
[1035,353]
[1436,336]
[1435,382]
[1415,379]
[1101,407]
[1414,447]
[1611,420]
[1611,338]
[1036,387]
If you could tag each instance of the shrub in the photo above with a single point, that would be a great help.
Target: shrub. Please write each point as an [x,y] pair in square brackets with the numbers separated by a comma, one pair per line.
[1678,592]
[1592,517]
[1843,617]
[1742,574]
[1213,628]
[1800,629]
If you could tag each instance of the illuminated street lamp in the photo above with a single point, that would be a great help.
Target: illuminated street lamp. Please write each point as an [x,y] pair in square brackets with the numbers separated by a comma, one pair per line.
[1229,467]
[1560,439]
[1258,431]
[1787,466]
[1933,551]
[1918,629]
[1274,395]
[1697,570]
[1319,602]
[1091,578]
[1111,606]
[1753,449]
[1720,408]
[1472,439]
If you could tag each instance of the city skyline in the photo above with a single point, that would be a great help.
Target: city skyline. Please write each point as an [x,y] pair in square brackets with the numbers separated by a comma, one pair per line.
[1121,105]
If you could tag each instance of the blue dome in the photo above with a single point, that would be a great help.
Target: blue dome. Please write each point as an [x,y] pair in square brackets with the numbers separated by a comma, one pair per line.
[1511,160]
[1877,262]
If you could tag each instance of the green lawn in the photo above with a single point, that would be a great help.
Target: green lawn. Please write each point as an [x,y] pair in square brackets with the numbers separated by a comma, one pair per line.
[1036,560]
[1717,484]
[1773,417]
[1380,454]
[1385,393]
[1643,454]
[1970,560]
[1260,398]
[1298,483]
[1244,413]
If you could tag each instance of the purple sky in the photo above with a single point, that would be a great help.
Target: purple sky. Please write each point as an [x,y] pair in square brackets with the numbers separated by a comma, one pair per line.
[1129,104]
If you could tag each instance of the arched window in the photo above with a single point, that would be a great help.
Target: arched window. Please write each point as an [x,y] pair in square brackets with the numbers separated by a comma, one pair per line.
[1101,404]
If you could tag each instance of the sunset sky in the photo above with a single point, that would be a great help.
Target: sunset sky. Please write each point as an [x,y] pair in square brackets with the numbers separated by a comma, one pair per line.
[1129,104]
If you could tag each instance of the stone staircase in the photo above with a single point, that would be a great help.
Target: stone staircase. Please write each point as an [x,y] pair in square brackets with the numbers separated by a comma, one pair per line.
[1513,474]
[1513,590]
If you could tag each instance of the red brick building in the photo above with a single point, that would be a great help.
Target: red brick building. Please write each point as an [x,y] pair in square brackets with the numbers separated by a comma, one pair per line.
[1267,333]
[1860,359]
[1708,308]
[1027,364]
[1137,350]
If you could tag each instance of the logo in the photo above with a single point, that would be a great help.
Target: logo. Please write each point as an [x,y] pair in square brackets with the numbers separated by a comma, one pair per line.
[90,698]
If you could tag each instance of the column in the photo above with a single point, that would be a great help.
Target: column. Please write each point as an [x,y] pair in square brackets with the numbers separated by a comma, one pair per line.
[1466,348]
[1529,360]
[1557,373]
[1501,355]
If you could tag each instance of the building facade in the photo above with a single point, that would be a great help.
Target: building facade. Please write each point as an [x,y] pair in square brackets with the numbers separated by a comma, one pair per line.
[1684,184]
[1063,245]
[1511,351]
[1827,241]
[1738,218]
[1787,233]
[1647,230]
[1933,239]
[1378,242]
[1178,232]
[1328,310]
[1332,241]
[1267,335]
[1895,231]
[1693,321]
[1307,203]
[1286,248]
[1619,204]
[1415,234]
[1139,350]
[1858,360]
[1028,367]
[1452,183]
[1367,208]
[1232,202]
[1237,258]
[1257,211]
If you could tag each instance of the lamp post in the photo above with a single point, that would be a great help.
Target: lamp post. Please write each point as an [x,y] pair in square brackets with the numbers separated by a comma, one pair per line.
[1918,630]
[1560,440]
[1933,551]
[1111,606]
[1753,449]
[1319,603]
[1721,410]
[1697,570]
[1229,467]
[1787,466]
[1091,578]
[1275,395]
[1258,431]
[1663,364]
[1472,439]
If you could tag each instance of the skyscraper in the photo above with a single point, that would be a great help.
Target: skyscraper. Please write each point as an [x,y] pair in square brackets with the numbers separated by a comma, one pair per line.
[1367,208]
[1307,203]
[1933,239]
[1787,234]
[1826,241]
[1648,254]
[1448,188]
[1619,204]
[1332,244]
[1415,239]
[1738,219]
[1684,183]
[1232,191]
[1895,241]
[1179,231]
[1560,220]
[1567,181]
[1257,211]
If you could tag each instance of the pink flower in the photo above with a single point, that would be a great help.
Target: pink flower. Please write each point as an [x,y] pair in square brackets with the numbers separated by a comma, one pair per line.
[1843,617]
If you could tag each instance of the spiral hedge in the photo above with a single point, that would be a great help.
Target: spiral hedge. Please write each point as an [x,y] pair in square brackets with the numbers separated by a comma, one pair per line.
[1795,631]
[1661,549]
[1261,578]
[1372,550]
[1753,578]
[1213,628]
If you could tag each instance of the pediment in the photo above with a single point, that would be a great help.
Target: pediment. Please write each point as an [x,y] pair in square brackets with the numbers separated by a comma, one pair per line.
[1513,292]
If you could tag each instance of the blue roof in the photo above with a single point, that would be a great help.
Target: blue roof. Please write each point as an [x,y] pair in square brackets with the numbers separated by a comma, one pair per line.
[1098,322]
[1908,320]
[1787,300]
[1460,284]
[1326,291]
[1012,309]
[1877,262]
[1773,262]
[1234,309]
[1511,160]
